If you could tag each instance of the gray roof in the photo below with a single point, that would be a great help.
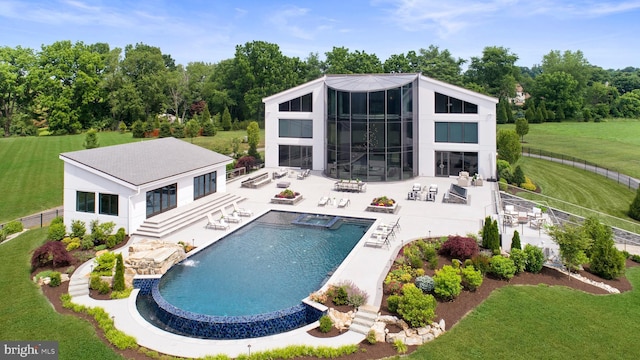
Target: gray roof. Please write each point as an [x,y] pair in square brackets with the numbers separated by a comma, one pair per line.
[142,162]
[368,82]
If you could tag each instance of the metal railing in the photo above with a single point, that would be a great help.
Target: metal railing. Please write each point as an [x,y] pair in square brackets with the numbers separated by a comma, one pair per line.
[620,178]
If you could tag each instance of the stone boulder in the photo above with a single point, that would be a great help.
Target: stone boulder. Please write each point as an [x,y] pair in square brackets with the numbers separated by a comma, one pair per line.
[153,257]
[341,321]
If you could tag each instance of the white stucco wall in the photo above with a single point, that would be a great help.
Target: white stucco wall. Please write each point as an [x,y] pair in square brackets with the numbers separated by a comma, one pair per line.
[132,199]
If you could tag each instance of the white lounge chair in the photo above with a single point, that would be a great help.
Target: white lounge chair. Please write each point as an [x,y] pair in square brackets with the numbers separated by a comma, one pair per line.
[234,218]
[323,201]
[344,202]
[216,224]
[377,240]
[241,211]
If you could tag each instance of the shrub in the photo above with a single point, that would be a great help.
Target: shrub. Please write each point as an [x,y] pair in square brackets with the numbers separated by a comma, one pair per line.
[515,241]
[339,295]
[94,281]
[73,244]
[87,242]
[118,278]
[400,346]
[100,232]
[607,262]
[392,303]
[78,228]
[502,267]
[120,235]
[425,283]
[481,262]
[56,232]
[503,185]
[111,241]
[325,324]
[104,287]
[55,279]
[105,264]
[100,247]
[528,184]
[635,258]
[13,227]
[371,337]
[57,220]
[416,308]
[471,278]
[319,297]
[448,282]
[518,176]
[459,247]
[534,258]
[52,253]
[519,259]
[246,162]
[634,208]
[356,297]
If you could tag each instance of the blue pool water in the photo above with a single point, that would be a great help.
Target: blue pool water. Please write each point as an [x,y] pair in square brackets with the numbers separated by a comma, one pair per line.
[265,266]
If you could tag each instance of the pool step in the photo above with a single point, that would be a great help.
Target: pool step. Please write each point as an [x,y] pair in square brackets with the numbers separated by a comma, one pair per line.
[79,286]
[364,319]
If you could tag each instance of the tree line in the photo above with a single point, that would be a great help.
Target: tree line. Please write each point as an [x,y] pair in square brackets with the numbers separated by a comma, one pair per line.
[70,87]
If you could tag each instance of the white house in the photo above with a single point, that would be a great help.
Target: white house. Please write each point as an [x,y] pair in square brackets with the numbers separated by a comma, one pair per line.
[129,183]
[381,127]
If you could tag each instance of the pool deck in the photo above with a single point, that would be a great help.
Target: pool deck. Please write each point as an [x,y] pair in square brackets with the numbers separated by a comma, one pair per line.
[365,266]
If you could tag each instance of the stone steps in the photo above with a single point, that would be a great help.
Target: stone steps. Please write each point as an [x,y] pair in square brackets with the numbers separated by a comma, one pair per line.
[364,319]
[79,286]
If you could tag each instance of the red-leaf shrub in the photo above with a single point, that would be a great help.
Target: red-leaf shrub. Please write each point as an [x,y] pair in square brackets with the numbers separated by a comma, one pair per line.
[459,247]
[52,253]
[246,162]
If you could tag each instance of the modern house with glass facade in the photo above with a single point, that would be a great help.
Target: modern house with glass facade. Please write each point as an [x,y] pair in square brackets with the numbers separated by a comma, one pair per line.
[381,127]
[130,183]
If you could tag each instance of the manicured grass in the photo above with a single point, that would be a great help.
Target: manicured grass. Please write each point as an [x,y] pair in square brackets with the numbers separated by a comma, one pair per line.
[25,314]
[612,144]
[32,173]
[541,322]
[577,186]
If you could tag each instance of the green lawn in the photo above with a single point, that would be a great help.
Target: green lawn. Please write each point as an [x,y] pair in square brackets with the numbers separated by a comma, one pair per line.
[612,144]
[542,322]
[25,314]
[32,173]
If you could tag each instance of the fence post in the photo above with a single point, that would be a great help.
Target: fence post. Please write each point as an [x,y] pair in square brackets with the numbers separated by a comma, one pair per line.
[41,215]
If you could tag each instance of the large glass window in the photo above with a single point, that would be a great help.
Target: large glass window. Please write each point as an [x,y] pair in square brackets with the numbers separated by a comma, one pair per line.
[371,138]
[85,201]
[109,204]
[162,199]
[456,132]
[204,185]
[295,128]
[449,105]
[450,163]
[295,156]
[300,104]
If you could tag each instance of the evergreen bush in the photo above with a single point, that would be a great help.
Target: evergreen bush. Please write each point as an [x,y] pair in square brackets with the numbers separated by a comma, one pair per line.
[448,282]
[502,267]
[515,241]
[534,258]
[78,229]
[56,232]
[55,279]
[471,278]
[634,208]
[392,303]
[415,307]
[118,278]
[425,283]
[325,324]
[13,227]
[519,260]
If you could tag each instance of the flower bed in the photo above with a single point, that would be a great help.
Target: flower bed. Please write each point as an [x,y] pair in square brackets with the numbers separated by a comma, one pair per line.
[382,204]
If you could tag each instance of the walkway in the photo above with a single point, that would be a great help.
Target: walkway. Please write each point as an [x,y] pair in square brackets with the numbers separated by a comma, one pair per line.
[365,266]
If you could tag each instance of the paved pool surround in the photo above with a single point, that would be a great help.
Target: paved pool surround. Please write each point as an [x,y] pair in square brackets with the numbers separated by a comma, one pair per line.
[226,327]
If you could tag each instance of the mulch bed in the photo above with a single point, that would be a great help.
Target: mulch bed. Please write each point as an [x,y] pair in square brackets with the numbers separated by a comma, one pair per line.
[451,311]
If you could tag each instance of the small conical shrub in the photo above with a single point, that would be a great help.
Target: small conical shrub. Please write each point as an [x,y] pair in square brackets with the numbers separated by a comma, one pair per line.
[515,241]
[118,278]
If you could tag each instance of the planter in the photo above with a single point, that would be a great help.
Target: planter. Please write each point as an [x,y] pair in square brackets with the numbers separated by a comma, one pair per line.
[387,209]
[285,201]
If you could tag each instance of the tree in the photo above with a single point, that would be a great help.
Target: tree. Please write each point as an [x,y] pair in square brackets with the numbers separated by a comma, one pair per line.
[91,139]
[501,116]
[164,129]
[606,260]
[15,65]
[522,128]
[145,69]
[560,93]
[515,241]
[495,71]
[341,61]
[573,244]
[634,208]
[508,144]
[118,277]
[518,176]
[430,62]
[191,129]
[226,120]
[253,138]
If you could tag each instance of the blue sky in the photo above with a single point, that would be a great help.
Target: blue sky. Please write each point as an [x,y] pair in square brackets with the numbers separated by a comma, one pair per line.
[208,30]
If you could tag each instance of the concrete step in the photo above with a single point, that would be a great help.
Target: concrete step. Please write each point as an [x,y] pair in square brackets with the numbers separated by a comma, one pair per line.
[360,329]
[79,287]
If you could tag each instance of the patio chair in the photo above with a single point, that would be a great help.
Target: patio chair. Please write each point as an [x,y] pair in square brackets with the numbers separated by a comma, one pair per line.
[241,211]
[234,218]
[510,210]
[323,201]
[216,224]
[344,202]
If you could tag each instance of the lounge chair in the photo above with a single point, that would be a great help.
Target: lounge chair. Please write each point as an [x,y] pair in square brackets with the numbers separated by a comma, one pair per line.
[234,218]
[241,211]
[343,202]
[216,224]
[323,201]
[377,240]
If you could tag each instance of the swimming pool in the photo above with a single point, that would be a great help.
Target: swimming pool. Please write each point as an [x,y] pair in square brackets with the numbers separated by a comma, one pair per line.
[251,282]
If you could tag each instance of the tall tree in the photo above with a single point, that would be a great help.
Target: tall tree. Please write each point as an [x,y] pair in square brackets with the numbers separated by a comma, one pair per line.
[431,62]
[253,138]
[15,65]
[508,144]
[522,128]
[341,61]
[560,93]
[573,244]
[144,67]
[495,71]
